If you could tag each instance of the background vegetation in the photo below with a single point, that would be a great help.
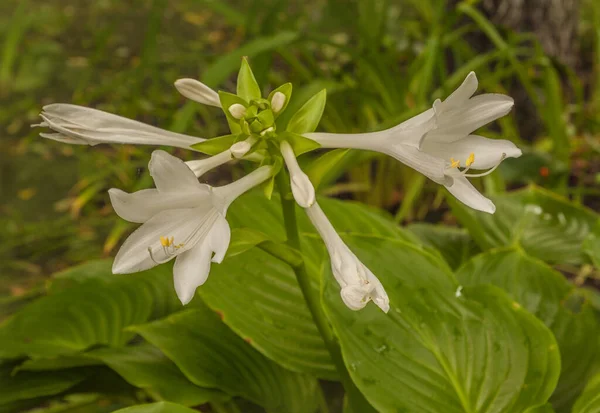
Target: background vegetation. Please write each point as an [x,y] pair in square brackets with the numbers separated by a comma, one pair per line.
[381,61]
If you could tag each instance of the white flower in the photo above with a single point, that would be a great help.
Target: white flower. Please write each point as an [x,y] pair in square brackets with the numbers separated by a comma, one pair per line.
[198,92]
[439,141]
[237,150]
[302,188]
[357,282]
[181,218]
[237,110]
[84,126]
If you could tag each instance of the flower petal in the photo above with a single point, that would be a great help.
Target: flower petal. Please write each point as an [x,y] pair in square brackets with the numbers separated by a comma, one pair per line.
[191,270]
[219,238]
[187,227]
[466,193]
[94,127]
[461,94]
[142,205]
[171,174]
[478,111]
[430,166]
[488,152]
[198,92]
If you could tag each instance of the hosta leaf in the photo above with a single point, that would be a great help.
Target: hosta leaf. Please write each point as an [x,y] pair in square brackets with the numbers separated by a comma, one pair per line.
[247,86]
[309,115]
[591,246]
[455,245]
[545,293]
[88,310]
[545,225]
[146,367]
[211,355]
[159,407]
[589,401]
[30,385]
[440,348]
[319,170]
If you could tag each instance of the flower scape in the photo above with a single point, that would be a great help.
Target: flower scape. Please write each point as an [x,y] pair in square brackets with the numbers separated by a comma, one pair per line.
[185,220]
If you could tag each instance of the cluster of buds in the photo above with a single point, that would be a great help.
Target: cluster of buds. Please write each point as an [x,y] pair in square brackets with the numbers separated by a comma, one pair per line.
[184,219]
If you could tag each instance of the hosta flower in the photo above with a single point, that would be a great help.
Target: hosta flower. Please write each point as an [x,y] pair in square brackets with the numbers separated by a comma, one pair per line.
[357,282]
[439,142]
[181,219]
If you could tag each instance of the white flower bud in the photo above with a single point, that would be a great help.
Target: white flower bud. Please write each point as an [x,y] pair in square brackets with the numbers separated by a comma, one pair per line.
[237,110]
[302,189]
[239,149]
[277,102]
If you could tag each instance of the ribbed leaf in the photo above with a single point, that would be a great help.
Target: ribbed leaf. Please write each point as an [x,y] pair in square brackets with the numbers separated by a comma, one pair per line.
[87,309]
[545,225]
[547,294]
[160,407]
[440,348]
[589,401]
[211,355]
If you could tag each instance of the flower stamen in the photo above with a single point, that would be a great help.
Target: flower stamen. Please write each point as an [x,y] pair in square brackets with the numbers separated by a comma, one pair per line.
[169,248]
[488,171]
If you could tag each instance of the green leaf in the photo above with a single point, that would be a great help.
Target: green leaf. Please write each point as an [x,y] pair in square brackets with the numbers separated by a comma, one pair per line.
[545,225]
[441,348]
[29,385]
[545,293]
[591,246]
[88,311]
[215,145]
[308,116]
[547,408]
[243,239]
[321,169]
[160,407]
[146,367]
[268,188]
[227,100]
[589,401]
[455,245]
[299,143]
[211,355]
[226,65]
[247,86]
[286,89]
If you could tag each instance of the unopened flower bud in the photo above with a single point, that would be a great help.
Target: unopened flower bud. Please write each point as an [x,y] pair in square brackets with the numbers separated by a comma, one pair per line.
[239,149]
[237,110]
[302,189]
[277,102]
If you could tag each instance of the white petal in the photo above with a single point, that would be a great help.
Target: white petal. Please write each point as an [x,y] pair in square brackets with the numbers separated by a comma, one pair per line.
[354,297]
[229,193]
[430,166]
[476,112]
[60,137]
[186,226]
[191,270]
[198,92]
[466,193]
[379,296]
[171,174]
[302,189]
[201,166]
[142,205]
[94,127]
[461,94]
[239,149]
[488,152]
[219,238]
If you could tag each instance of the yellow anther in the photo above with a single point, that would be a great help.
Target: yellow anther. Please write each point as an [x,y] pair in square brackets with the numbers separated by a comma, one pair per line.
[470,159]
[165,241]
[454,163]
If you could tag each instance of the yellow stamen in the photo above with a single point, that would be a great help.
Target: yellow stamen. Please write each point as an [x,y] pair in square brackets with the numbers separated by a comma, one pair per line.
[166,242]
[454,163]
[470,159]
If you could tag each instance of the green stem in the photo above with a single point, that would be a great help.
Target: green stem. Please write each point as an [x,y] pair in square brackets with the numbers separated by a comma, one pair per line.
[313,300]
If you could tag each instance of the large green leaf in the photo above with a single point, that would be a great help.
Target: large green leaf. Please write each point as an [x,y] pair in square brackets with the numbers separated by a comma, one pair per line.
[545,293]
[160,407]
[211,355]
[146,367]
[589,401]
[545,225]
[85,310]
[30,385]
[455,245]
[441,348]
[591,246]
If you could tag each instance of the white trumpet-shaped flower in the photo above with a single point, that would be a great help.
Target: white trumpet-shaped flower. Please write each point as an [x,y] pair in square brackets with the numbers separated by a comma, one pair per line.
[302,188]
[357,282]
[181,218]
[439,142]
[85,126]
